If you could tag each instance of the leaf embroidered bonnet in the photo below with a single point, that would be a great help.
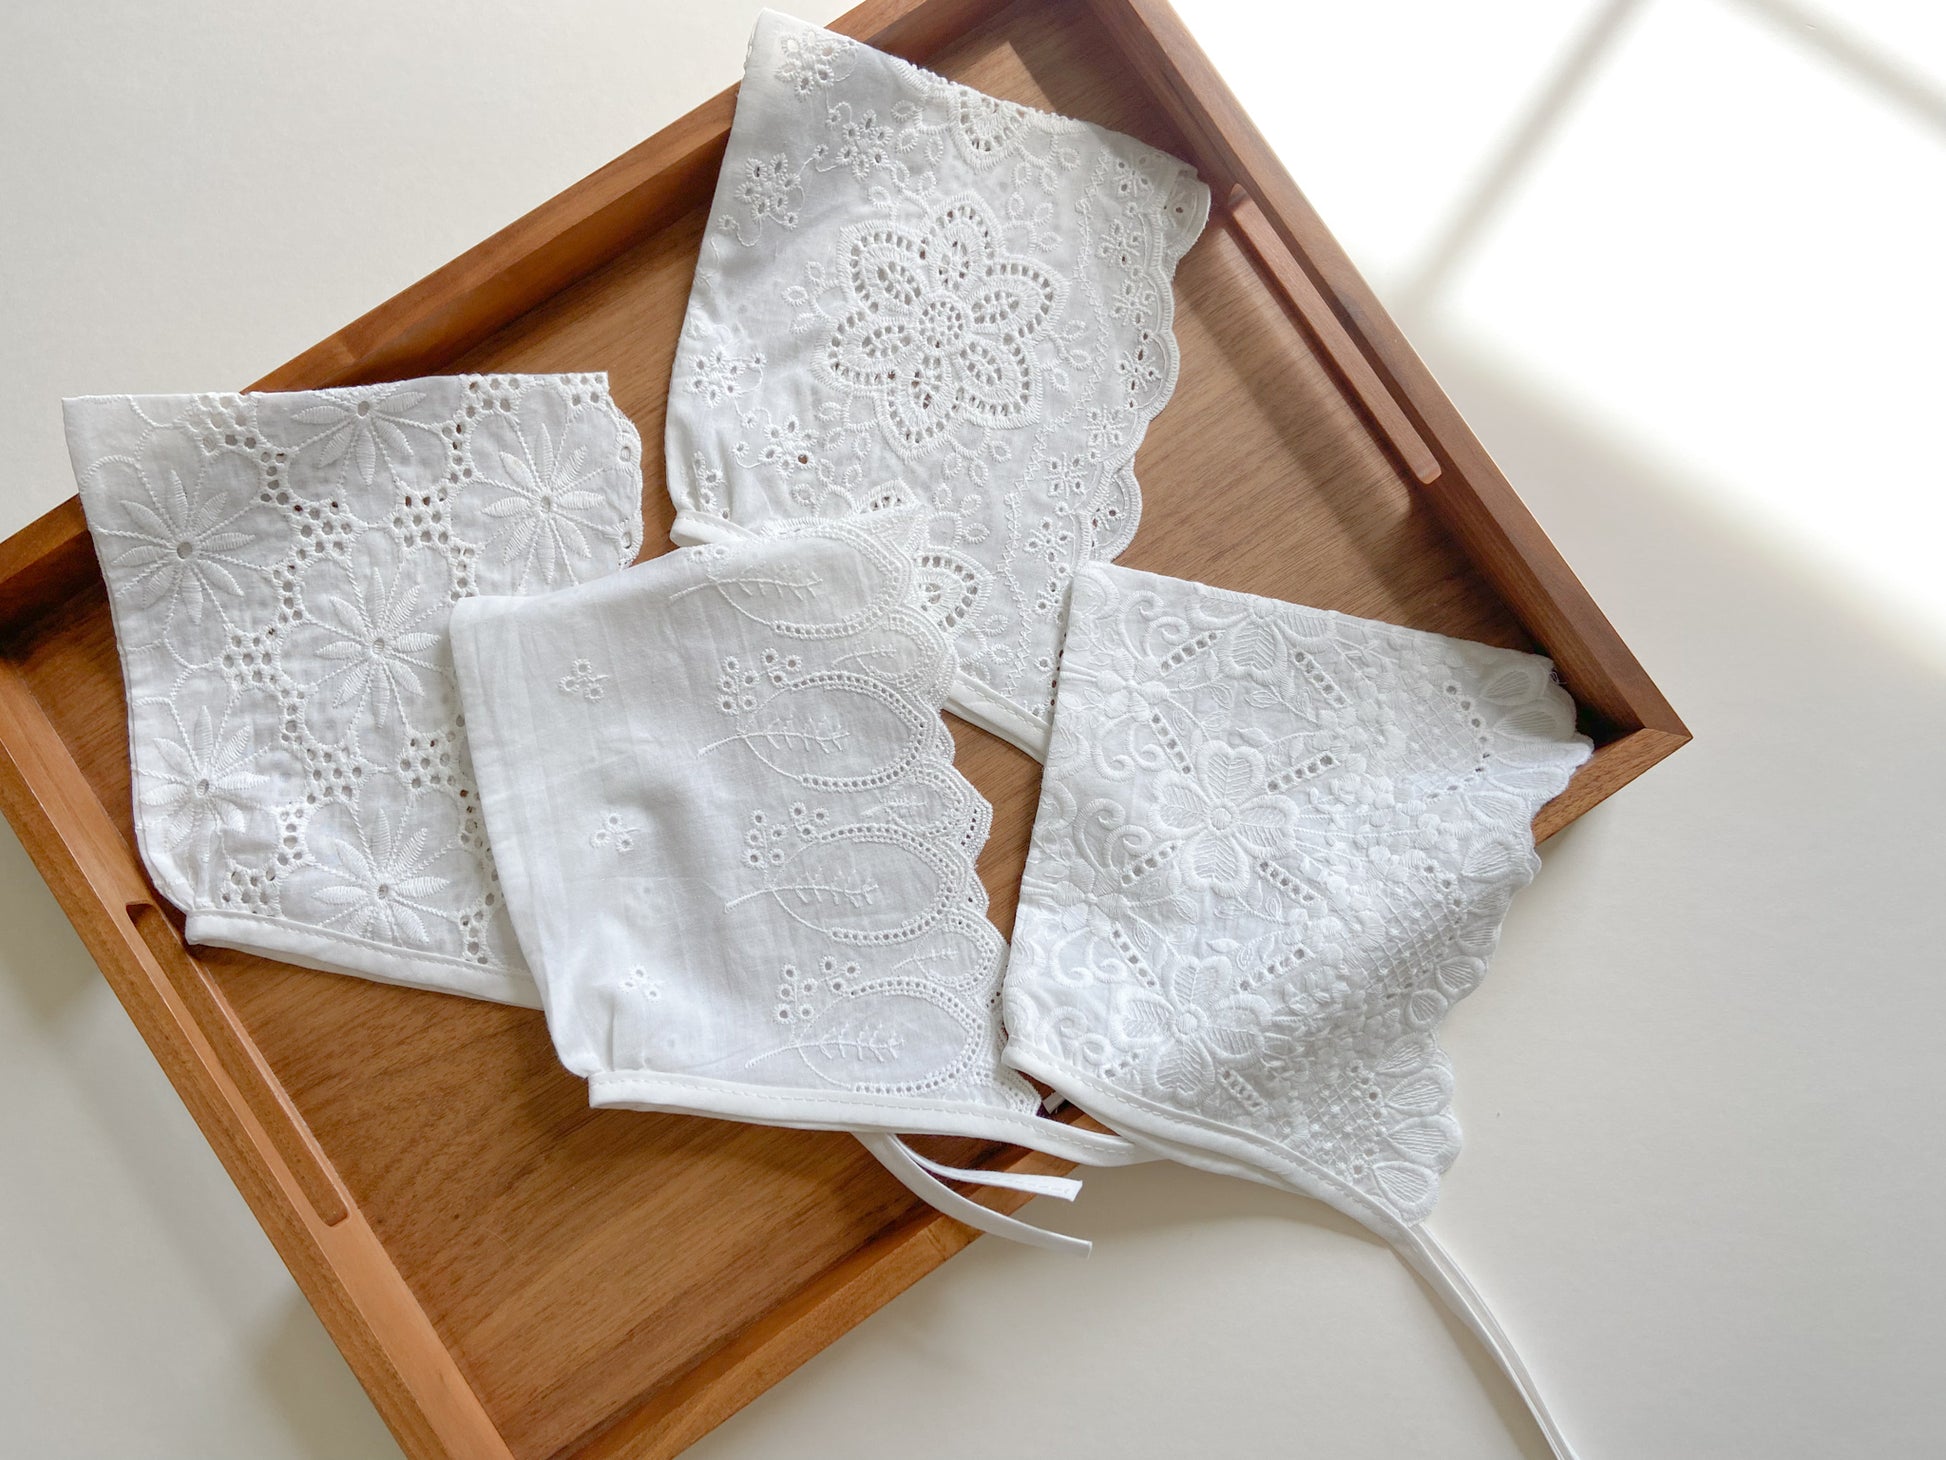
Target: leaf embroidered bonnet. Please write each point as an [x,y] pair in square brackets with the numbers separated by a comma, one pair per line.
[911,293]
[1274,846]
[739,858]
[280,570]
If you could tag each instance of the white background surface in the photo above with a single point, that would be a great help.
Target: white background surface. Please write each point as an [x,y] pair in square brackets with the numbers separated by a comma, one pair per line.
[1679,263]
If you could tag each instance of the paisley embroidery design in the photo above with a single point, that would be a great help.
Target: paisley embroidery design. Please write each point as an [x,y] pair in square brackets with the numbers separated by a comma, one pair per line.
[950,304]
[281,570]
[802,887]
[1274,846]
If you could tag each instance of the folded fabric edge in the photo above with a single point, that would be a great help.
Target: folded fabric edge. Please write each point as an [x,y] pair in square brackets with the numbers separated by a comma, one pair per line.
[326,952]
[1218,1149]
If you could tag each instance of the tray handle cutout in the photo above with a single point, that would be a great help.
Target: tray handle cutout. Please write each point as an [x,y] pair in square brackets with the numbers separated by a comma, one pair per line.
[244,1063]
[1328,332]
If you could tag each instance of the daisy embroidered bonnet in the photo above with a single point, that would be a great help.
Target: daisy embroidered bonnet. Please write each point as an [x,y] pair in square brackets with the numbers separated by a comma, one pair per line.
[280,569]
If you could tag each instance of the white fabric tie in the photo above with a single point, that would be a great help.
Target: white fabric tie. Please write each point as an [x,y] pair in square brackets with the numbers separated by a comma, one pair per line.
[736,852]
[1274,846]
[922,1177]
[1436,1268]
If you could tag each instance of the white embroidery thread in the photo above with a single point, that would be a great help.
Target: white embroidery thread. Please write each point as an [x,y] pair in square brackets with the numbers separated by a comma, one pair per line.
[1274,847]
[979,326]
[281,569]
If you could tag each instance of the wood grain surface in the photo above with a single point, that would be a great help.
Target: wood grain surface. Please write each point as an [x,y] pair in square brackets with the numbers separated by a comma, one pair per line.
[510,1273]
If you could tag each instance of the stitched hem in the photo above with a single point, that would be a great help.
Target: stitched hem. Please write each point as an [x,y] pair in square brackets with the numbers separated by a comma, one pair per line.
[336,953]
[974,703]
[1222,1149]
[692,529]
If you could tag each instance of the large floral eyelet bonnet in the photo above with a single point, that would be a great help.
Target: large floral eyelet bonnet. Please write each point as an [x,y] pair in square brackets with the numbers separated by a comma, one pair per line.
[1274,846]
[280,569]
[913,294]
[738,856]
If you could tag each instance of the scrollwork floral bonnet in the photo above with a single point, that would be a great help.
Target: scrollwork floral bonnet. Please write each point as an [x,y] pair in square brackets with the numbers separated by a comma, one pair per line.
[1274,846]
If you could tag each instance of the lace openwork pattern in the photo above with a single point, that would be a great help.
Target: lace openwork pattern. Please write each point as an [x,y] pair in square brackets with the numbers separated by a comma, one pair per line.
[281,569]
[870,843]
[1275,845]
[917,296]
[763,834]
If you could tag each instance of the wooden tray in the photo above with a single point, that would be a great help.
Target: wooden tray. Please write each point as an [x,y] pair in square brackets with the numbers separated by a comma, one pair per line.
[509,1273]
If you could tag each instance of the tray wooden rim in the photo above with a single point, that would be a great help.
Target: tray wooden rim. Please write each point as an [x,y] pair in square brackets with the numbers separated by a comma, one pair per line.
[330,1248]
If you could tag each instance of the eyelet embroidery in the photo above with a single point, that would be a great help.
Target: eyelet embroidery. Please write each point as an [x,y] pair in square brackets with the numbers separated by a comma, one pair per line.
[871,849]
[582,681]
[991,330]
[615,832]
[1275,846]
[941,329]
[282,568]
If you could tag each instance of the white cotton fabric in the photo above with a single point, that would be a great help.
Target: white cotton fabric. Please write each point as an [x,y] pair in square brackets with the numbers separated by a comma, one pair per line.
[913,294]
[1275,845]
[735,848]
[280,568]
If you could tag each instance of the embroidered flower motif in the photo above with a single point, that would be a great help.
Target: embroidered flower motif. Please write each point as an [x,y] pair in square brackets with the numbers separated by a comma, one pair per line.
[552,512]
[710,485]
[716,377]
[768,192]
[941,326]
[1128,182]
[956,520]
[1203,1026]
[1225,814]
[812,62]
[614,832]
[1052,541]
[284,568]
[381,880]
[787,447]
[1118,696]
[380,644]
[582,681]
[998,308]
[865,143]
[187,545]
[363,430]
[637,980]
[985,125]
[1337,799]
[204,780]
